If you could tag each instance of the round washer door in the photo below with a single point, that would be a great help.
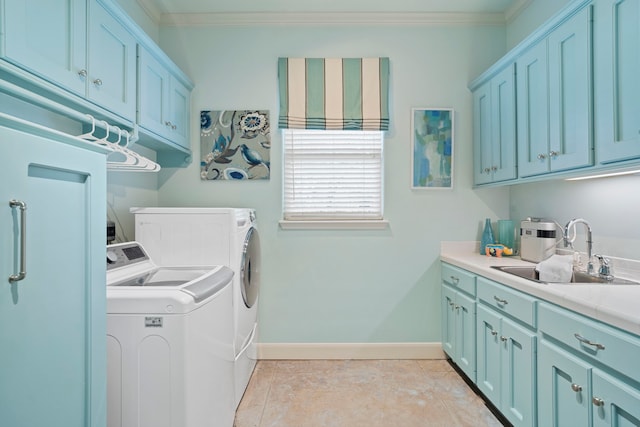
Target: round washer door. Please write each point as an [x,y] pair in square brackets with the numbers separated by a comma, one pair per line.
[250,268]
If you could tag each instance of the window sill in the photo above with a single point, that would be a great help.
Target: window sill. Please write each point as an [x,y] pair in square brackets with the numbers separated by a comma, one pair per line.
[380,224]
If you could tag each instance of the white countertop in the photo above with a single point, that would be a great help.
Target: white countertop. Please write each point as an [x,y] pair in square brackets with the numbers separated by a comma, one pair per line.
[617,305]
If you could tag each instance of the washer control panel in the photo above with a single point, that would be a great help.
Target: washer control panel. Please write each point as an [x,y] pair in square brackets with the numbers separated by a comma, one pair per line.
[123,254]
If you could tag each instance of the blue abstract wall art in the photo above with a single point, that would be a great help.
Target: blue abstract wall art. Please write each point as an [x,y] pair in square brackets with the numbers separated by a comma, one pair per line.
[235,145]
[432,148]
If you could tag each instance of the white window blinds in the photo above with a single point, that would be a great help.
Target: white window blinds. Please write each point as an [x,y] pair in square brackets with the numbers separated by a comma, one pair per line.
[332,175]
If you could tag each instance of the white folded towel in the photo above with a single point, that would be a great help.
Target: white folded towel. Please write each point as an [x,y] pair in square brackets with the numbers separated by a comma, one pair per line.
[556,268]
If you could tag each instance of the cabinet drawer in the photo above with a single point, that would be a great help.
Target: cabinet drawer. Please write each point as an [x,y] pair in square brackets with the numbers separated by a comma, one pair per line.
[591,339]
[508,301]
[459,279]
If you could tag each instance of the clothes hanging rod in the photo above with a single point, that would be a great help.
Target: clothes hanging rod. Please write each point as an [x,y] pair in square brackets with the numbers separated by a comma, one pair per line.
[41,101]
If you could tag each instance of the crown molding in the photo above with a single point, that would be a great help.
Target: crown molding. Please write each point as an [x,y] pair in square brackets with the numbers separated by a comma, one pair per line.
[516,9]
[330,18]
[151,9]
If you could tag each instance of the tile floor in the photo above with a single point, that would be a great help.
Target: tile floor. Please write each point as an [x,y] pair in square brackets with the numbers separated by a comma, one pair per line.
[360,393]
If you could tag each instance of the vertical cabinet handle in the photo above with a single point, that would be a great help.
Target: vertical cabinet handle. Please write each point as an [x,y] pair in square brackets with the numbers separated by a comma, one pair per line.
[23,240]
[575,387]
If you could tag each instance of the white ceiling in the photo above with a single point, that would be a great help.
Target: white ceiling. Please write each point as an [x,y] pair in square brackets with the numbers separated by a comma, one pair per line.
[171,11]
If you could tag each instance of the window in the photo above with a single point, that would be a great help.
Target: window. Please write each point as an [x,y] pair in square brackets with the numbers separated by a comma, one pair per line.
[332,175]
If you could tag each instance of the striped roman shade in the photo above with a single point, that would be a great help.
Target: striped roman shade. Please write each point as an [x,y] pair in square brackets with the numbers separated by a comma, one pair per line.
[334,93]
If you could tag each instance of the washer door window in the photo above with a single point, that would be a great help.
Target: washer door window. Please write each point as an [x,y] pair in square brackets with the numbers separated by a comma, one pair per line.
[250,268]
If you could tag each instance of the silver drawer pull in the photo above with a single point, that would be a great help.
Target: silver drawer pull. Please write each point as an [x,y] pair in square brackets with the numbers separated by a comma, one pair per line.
[503,338]
[587,342]
[451,303]
[500,300]
[597,401]
[494,333]
[23,240]
[455,279]
[575,387]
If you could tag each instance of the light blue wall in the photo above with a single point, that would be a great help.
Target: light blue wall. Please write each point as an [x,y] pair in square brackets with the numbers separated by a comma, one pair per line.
[610,205]
[345,286]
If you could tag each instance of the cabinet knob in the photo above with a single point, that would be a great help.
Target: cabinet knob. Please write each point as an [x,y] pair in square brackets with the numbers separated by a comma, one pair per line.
[575,387]
[597,401]
[451,303]
[82,73]
[494,168]
[542,156]
[487,170]
[457,307]
[174,127]
[553,154]
[454,279]
[503,338]
[97,82]
[494,333]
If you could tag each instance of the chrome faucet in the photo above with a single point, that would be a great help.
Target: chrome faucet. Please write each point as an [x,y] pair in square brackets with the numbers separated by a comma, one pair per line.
[568,242]
[604,272]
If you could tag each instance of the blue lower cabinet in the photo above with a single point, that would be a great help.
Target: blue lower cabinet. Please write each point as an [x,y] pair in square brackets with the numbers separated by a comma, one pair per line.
[506,355]
[459,329]
[563,388]
[614,402]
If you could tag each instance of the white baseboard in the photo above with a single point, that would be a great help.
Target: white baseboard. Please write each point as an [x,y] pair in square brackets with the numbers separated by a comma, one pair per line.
[303,351]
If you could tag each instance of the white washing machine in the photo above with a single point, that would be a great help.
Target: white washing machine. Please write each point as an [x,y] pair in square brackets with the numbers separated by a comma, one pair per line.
[227,236]
[170,357]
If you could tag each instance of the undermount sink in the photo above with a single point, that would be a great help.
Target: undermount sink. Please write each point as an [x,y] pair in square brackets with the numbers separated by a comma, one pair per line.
[578,277]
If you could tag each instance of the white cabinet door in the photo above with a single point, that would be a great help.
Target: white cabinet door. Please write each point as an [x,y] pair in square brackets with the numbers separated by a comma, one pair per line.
[52,322]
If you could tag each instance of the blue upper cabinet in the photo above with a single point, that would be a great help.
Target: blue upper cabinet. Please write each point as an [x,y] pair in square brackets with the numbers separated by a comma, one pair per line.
[533,111]
[76,45]
[111,73]
[494,128]
[49,38]
[617,89]
[164,99]
[554,100]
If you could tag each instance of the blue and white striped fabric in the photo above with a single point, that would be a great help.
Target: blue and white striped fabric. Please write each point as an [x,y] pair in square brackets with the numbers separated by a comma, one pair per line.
[334,93]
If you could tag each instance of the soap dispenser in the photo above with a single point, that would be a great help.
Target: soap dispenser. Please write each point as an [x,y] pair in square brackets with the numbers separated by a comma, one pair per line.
[487,236]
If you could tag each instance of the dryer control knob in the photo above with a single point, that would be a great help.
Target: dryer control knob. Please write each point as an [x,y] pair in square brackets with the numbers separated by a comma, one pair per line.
[112,257]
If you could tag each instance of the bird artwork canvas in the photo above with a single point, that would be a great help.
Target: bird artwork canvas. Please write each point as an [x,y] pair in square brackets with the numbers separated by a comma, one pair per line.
[235,145]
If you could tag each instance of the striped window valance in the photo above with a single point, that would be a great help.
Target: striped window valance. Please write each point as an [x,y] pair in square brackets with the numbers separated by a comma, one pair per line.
[334,93]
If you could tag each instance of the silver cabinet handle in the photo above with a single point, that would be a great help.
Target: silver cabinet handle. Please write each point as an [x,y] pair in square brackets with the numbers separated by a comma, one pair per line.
[597,401]
[494,168]
[494,333]
[82,73]
[97,82]
[587,342]
[542,156]
[575,387]
[503,338]
[500,300]
[454,279]
[554,154]
[23,240]
[451,303]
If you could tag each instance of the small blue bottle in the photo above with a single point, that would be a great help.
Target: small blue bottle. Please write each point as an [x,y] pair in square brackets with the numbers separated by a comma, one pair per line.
[487,236]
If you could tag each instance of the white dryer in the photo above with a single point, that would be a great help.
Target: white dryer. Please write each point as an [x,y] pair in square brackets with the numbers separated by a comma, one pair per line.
[227,236]
[169,346]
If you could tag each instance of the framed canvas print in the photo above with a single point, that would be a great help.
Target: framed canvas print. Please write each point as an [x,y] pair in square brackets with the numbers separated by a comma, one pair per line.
[235,145]
[432,148]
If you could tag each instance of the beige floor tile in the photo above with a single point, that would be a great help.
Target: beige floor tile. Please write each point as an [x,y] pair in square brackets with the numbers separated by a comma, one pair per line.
[354,393]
